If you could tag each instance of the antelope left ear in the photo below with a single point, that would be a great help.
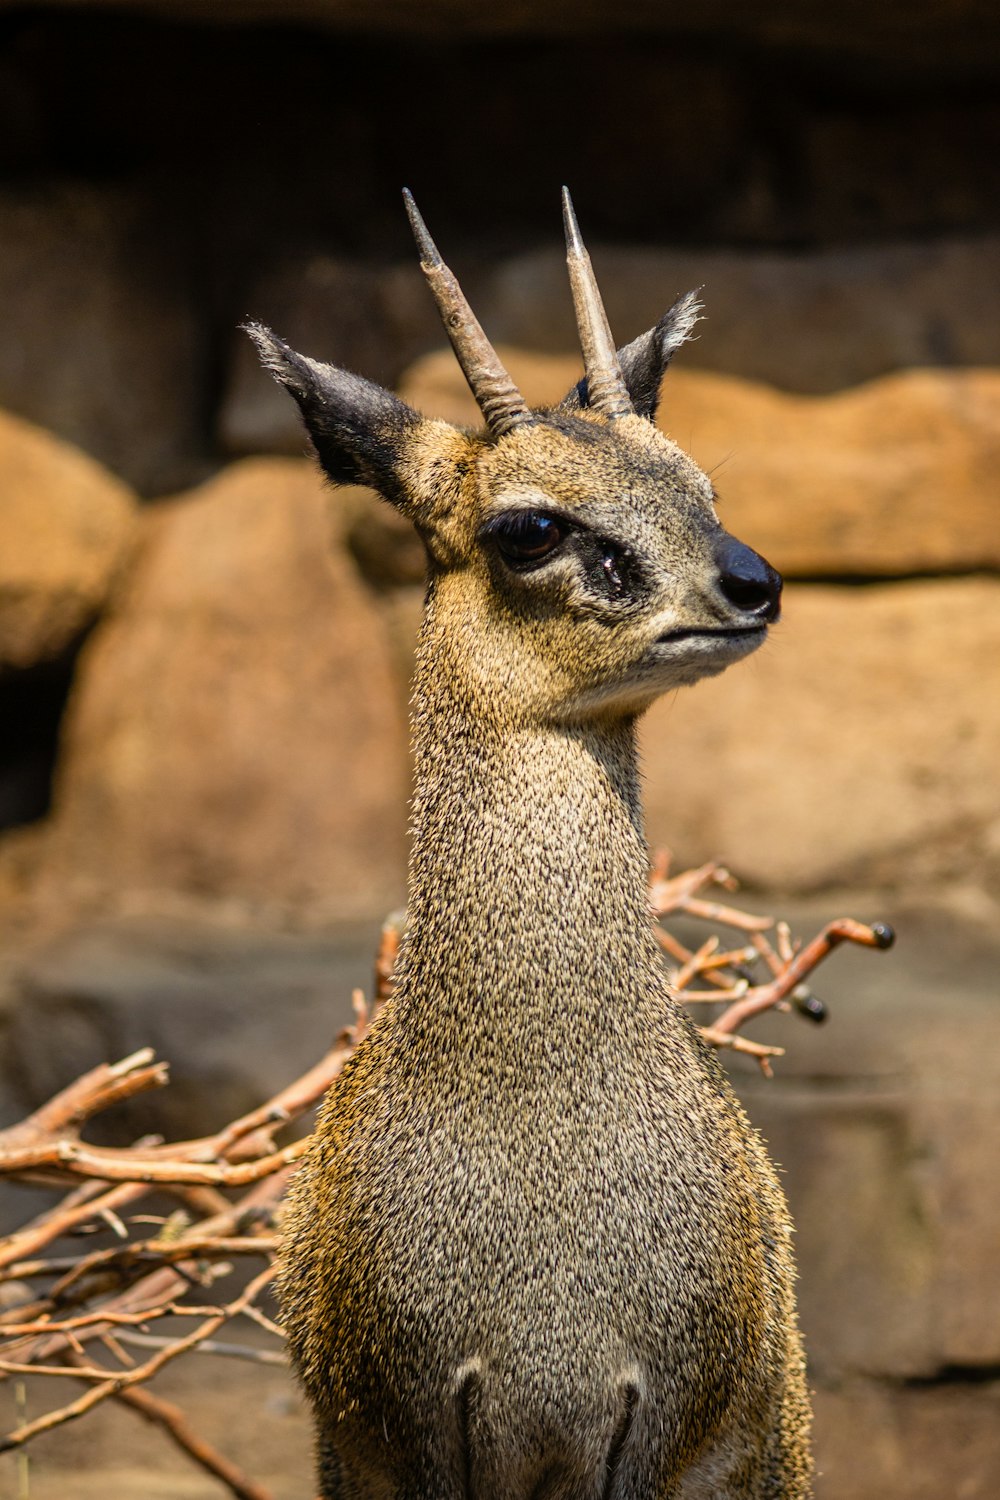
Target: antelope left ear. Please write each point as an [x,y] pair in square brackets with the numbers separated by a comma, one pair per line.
[361,432]
[645,360]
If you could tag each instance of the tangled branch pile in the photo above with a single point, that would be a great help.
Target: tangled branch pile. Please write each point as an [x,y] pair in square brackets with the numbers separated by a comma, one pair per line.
[87,1316]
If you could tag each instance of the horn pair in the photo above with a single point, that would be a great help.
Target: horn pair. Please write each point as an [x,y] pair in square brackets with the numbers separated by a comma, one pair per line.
[499,399]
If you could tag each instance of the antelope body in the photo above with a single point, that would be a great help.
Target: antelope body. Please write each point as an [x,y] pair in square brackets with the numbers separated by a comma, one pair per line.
[536,1252]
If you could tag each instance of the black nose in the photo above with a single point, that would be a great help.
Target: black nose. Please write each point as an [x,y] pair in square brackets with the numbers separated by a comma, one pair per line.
[747,580]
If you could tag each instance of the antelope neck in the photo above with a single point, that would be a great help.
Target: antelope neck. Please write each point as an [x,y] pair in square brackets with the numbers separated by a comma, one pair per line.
[528,867]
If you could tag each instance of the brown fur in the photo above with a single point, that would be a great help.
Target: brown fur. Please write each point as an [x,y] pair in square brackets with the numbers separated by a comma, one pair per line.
[536,1250]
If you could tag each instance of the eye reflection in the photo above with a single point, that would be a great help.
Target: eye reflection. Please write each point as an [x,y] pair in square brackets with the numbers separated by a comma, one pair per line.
[527,536]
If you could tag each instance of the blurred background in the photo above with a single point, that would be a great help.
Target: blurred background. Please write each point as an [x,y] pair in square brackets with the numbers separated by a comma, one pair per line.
[204,656]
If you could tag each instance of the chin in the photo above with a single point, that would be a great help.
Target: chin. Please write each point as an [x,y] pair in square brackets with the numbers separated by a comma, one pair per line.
[665,666]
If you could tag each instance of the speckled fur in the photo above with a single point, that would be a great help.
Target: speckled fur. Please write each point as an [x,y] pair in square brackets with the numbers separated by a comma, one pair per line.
[536,1252]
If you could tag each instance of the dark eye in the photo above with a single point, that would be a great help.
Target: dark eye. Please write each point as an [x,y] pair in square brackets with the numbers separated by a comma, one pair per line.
[526,536]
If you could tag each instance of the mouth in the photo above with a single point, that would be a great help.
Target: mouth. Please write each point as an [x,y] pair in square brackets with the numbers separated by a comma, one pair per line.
[721,631]
[675,659]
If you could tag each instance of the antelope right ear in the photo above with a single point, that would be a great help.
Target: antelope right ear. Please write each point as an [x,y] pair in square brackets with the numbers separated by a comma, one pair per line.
[644,362]
[361,432]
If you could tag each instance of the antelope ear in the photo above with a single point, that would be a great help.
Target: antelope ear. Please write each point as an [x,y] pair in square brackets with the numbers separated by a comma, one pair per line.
[644,361]
[361,432]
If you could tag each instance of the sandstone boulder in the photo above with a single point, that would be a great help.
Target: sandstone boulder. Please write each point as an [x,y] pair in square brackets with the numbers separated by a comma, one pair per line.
[890,478]
[66,525]
[384,543]
[861,744]
[235,731]
[894,477]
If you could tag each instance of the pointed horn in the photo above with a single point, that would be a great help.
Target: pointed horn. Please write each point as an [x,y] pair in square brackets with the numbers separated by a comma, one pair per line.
[500,401]
[606,388]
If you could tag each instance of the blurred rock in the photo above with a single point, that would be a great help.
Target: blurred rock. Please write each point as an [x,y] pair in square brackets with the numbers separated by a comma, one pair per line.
[862,743]
[885,1125]
[102,342]
[879,1441]
[66,525]
[891,478]
[385,545]
[235,732]
[371,320]
[237,1014]
[895,477]
[810,323]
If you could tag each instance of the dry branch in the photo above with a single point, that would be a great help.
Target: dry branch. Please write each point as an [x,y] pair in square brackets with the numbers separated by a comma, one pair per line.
[173,1421]
[112,1384]
[728,975]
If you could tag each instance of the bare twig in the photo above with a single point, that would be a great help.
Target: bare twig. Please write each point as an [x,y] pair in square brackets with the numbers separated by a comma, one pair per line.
[53,1226]
[845,930]
[103,1086]
[208,1346]
[716,1038]
[173,1422]
[725,973]
[107,1164]
[114,1385]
